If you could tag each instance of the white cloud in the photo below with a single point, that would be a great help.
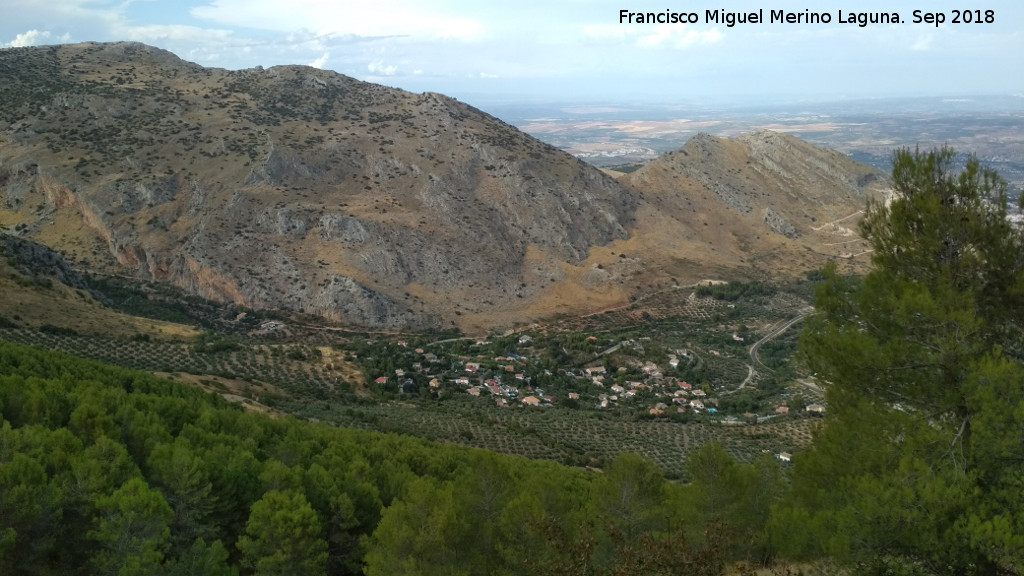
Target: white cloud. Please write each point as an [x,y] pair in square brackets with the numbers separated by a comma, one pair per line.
[657,36]
[677,37]
[564,46]
[172,33]
[34,38]
[605,31]
[923,43]
[319,62]
[377,68]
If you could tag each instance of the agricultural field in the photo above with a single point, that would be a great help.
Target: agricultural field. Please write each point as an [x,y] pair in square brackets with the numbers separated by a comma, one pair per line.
[296,370]
[659,377]
[574,437]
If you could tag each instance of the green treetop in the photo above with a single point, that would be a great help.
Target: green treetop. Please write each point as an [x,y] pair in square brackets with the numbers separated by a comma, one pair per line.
[921,461]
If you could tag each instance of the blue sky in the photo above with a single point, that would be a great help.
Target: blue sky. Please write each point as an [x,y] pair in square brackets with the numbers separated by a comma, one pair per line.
[566,50]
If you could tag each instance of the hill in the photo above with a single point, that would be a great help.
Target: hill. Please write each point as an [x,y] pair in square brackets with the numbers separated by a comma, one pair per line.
[302,189]
[765,202]
[38,290]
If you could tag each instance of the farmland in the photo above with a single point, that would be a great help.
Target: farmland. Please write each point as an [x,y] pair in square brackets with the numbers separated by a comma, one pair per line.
[660,377]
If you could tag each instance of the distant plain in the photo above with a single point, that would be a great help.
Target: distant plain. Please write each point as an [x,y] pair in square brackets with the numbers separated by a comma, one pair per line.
[867,130]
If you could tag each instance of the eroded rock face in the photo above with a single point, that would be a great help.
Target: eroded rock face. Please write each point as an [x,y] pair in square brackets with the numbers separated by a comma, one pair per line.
[302,189]
[778,224]
[289,187]
[762,205]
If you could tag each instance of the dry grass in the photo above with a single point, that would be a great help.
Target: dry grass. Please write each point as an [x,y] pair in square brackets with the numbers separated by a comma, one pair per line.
[239,392]
[346,370]
[60,306]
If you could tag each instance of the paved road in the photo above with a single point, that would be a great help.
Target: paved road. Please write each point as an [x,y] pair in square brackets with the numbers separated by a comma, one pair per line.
[775,332]
[754,347]
[447,340]
[599,355]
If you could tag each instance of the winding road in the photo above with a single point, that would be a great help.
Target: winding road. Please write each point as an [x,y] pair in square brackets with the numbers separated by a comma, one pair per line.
[756,345]
[772,334]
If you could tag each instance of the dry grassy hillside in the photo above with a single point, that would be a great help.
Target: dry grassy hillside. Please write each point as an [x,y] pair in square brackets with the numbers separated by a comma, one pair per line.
[766,202]
[290,187]
[39,291]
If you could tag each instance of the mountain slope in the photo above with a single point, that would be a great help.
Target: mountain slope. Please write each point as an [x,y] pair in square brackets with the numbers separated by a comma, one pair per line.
[765,202]
[290,187]
[38,290]
[307,190]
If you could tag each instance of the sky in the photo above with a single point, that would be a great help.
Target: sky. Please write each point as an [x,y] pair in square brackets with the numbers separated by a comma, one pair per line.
[567,50]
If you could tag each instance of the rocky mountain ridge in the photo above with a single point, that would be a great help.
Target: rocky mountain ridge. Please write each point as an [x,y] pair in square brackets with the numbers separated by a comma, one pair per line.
[303,189]
[765,202]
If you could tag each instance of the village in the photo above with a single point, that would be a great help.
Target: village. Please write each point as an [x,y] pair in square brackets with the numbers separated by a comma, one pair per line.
[543,372]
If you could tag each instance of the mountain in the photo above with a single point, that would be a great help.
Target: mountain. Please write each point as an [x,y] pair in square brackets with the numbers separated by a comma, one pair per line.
[766,202]
[290,187]
[303,189]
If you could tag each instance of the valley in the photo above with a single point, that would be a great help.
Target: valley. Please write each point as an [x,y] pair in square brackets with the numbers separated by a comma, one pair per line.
[659,377]
[302,243]
[283,321]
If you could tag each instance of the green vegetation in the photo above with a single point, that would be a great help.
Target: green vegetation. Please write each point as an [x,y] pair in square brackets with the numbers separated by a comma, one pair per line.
[920,466]
[134,301]
[210,354]
[733,291]
[160,301]
[108,471]
[322,376]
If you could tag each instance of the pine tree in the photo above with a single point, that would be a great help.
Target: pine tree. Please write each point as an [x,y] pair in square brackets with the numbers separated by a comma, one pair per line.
[132,530]
[921,462]
[283,536]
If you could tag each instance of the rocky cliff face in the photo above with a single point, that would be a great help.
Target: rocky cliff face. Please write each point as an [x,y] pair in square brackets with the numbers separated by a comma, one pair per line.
[303,189]
[290,187]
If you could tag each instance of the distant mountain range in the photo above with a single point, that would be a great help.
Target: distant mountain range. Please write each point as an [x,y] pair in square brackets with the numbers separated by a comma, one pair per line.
[303,189]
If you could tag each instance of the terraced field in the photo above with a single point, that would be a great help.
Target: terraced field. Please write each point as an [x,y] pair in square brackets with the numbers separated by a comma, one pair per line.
[573,437]
[300,370]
